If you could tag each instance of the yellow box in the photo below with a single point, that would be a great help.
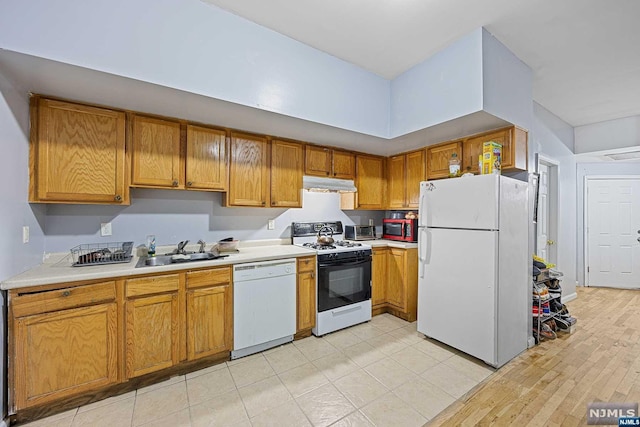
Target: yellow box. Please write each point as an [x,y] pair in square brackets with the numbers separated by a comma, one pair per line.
[491,157]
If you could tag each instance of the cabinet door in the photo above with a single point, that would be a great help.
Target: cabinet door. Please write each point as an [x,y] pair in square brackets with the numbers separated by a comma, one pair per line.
[471,151]
[438,159]
[78,154]
[379,276]
[317,161]
[156,160]
[64,353]
[370,181]
[306,295]
[396,273]
[344,164]
[416,172]
[209,321]
[397,172]
[248,171]
[516,156]
[286,174]
[152,334]
[206,162]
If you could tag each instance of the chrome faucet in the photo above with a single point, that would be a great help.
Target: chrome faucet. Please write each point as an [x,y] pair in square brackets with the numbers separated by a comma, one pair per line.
[202,245]
[181,246]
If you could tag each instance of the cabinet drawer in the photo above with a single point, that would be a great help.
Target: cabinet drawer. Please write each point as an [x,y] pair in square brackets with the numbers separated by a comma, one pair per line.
[62,299]
[152,285]
[215,276]
[306,264]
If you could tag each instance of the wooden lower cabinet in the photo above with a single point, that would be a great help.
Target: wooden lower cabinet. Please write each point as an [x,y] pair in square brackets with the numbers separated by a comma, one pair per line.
[62,342]
[209,312]
[306,293]
[152,334]
[379,276]
[395,282]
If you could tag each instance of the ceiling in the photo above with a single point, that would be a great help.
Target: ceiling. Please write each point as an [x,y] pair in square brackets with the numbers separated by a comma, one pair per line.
[584,54]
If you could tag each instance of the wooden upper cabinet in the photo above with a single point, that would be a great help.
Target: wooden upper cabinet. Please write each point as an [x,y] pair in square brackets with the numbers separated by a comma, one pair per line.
[155,157]
[397,174]
[514,149]
[370,182]
[344,164]
[405,173]
[327,162]
[416,173]
[206,161]
[317,161]
[248,171]
[286,174]
[77,154]
[438,158]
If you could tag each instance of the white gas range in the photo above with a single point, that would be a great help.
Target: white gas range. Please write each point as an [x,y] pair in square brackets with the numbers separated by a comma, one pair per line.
[344,275]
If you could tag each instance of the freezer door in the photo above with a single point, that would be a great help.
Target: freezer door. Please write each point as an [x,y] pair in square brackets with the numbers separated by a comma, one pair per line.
[465,202]
[457,295]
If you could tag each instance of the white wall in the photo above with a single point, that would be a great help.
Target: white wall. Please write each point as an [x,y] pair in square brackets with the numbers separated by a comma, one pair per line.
[199,48]
[15,212]
[612,134]
[507,83]
[174,215]
[593,169]
[444,87]
[547,141]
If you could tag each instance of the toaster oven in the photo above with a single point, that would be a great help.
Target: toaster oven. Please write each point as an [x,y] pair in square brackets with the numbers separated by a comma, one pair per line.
[359,232]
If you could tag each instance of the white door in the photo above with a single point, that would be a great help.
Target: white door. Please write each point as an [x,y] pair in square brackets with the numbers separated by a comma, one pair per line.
[613,230]
[542,226]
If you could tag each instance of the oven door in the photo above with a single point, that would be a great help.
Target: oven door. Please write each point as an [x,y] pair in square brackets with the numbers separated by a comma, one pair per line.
[343,283]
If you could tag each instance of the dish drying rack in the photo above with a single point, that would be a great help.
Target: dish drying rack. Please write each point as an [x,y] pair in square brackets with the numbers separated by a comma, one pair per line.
[101,253]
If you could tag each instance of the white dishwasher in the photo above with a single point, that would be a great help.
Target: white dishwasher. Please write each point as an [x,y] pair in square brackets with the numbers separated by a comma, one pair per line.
[264,305]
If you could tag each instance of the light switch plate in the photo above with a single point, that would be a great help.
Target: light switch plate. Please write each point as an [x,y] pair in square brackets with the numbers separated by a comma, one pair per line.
[25,234]
[271,224]
[105,229]
[370,221]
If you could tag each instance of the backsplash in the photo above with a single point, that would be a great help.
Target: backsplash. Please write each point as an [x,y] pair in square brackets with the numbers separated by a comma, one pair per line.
[173,216]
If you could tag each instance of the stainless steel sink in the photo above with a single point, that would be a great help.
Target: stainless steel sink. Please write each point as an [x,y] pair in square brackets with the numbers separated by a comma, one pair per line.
[173,259]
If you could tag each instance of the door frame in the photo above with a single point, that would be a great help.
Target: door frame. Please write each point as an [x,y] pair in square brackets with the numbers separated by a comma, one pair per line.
[585,216]
[554,197]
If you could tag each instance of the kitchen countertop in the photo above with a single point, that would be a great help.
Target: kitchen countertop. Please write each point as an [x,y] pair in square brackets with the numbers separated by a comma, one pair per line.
[58,269]
[390,244]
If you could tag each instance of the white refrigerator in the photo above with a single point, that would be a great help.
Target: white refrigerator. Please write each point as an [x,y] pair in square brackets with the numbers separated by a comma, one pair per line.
[473,268]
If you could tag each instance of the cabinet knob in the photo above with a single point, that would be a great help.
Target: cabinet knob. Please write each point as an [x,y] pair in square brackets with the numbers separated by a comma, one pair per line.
[66,293]
[273,203]
[175,183]
[313,275]
[264,203]
[327,173]
[189,184]
[118,198]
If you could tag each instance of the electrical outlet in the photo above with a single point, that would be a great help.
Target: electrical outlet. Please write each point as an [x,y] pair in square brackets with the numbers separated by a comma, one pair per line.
[105,229]
[271,224]
[25,234]
[370,221]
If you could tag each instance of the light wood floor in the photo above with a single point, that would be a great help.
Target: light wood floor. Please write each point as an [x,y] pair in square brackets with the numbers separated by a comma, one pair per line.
[552,383]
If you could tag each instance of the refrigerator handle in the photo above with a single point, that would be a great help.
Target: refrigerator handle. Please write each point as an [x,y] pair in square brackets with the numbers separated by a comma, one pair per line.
[422,253]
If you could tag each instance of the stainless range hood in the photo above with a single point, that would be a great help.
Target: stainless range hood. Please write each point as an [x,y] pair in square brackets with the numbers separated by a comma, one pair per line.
[315,183]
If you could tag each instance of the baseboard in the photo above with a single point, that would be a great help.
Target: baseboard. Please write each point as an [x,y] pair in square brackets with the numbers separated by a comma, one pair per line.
[570,297]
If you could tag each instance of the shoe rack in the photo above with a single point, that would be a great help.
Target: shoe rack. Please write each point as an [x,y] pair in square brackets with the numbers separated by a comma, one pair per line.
[550,316]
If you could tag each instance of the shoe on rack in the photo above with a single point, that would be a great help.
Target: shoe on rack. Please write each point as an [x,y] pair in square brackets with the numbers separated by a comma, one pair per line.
[552,325]
[546,332]
[562,324]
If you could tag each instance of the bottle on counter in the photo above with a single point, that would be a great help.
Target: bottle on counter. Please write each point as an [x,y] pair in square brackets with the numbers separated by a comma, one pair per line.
[454,165]
[151,245]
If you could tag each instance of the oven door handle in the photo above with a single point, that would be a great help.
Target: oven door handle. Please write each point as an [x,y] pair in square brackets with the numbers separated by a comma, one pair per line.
[341,264]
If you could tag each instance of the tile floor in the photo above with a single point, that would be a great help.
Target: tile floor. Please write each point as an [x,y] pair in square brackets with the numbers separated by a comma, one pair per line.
[381,373]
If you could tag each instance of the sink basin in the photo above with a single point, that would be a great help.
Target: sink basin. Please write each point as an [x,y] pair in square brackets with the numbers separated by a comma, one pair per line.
[173,259]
